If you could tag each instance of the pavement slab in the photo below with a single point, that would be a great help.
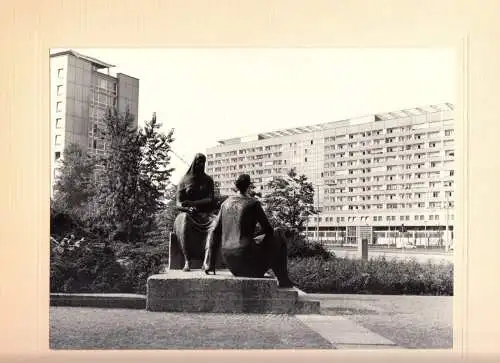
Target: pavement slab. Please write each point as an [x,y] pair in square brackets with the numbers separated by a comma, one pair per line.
[91,328]
[414,322]
[344,333]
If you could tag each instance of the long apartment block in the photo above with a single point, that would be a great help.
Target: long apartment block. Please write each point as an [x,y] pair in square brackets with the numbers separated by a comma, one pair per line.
[391,171]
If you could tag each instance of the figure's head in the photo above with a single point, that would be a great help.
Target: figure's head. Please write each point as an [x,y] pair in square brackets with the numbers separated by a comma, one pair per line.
[243,183]
[199,163]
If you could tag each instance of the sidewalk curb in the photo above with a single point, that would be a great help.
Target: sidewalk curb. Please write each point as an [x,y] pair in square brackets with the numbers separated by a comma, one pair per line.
[110,301]
[136,301]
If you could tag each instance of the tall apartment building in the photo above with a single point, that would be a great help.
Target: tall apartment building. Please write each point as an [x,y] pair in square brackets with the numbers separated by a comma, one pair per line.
[81,89]
[390,173]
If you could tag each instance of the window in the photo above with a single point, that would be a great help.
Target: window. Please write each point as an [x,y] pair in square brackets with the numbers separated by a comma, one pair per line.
[57,155]
[60,73]
[305,160]
[58,139]
[312,142]
[58,123]
[58,106]
[59,90]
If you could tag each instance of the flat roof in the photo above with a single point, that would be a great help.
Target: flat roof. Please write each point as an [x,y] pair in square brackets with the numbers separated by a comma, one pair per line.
[387,116]
[94,61]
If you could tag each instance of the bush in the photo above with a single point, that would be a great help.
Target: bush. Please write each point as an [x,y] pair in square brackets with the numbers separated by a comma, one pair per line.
[143,262]
[376,276]
[94,268]
[89,267]
[299,247]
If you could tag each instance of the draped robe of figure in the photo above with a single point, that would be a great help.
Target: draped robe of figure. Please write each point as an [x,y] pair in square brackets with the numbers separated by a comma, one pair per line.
[245,253]
[191,226]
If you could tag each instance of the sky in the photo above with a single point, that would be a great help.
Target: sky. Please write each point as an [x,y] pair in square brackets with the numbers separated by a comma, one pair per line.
[209,94]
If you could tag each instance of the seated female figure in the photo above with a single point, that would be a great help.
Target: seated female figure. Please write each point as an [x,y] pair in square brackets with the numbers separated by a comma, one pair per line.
[195,200]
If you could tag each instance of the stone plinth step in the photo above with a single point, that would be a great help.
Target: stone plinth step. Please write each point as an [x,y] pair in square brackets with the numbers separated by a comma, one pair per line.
[221,293]
[114,301]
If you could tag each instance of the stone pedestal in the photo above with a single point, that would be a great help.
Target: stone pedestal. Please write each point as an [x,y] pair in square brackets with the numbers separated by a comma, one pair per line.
[177,291]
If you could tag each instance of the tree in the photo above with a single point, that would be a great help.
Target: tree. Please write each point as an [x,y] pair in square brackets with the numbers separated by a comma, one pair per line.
[75,186]
[134,177]
[164,219]
[118,177]
[155,173]
[290,201]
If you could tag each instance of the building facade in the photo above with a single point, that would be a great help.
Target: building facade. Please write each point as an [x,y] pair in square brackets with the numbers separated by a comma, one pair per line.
[81,90]
[390,173]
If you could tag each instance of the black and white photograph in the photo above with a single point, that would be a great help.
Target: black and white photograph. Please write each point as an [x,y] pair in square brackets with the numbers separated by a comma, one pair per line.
[252,198]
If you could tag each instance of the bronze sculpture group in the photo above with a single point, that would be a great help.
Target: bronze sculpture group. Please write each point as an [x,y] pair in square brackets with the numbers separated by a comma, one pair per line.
[231,233]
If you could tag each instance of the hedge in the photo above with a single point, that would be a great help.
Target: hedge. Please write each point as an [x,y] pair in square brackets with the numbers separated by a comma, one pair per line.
[90,268]
[376,276]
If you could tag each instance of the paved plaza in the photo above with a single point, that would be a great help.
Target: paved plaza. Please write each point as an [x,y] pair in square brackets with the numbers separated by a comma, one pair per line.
[345,322]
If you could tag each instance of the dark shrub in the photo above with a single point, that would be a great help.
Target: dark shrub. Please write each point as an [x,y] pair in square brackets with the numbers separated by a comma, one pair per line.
[142,263]
[299,247]
[89,267]
[376,276]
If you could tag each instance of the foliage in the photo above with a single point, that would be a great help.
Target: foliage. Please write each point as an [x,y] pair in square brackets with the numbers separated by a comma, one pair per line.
[170,211]
[143,262]
[82,265]
[74,187]
[126,206]
[116,212]
[298,246]
[375,276]
[153,192]
[133,179]
[290,201]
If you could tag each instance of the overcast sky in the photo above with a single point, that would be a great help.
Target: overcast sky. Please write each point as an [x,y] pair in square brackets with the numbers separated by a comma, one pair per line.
[208,94]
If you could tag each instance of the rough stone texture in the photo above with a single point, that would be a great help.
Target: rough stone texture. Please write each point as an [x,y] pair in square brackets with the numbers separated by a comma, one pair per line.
[194,291]
[116,301]
[306,306]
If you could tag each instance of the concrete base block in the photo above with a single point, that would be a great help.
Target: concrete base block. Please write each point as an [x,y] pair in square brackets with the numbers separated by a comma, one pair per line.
[111,301]
[221,293]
